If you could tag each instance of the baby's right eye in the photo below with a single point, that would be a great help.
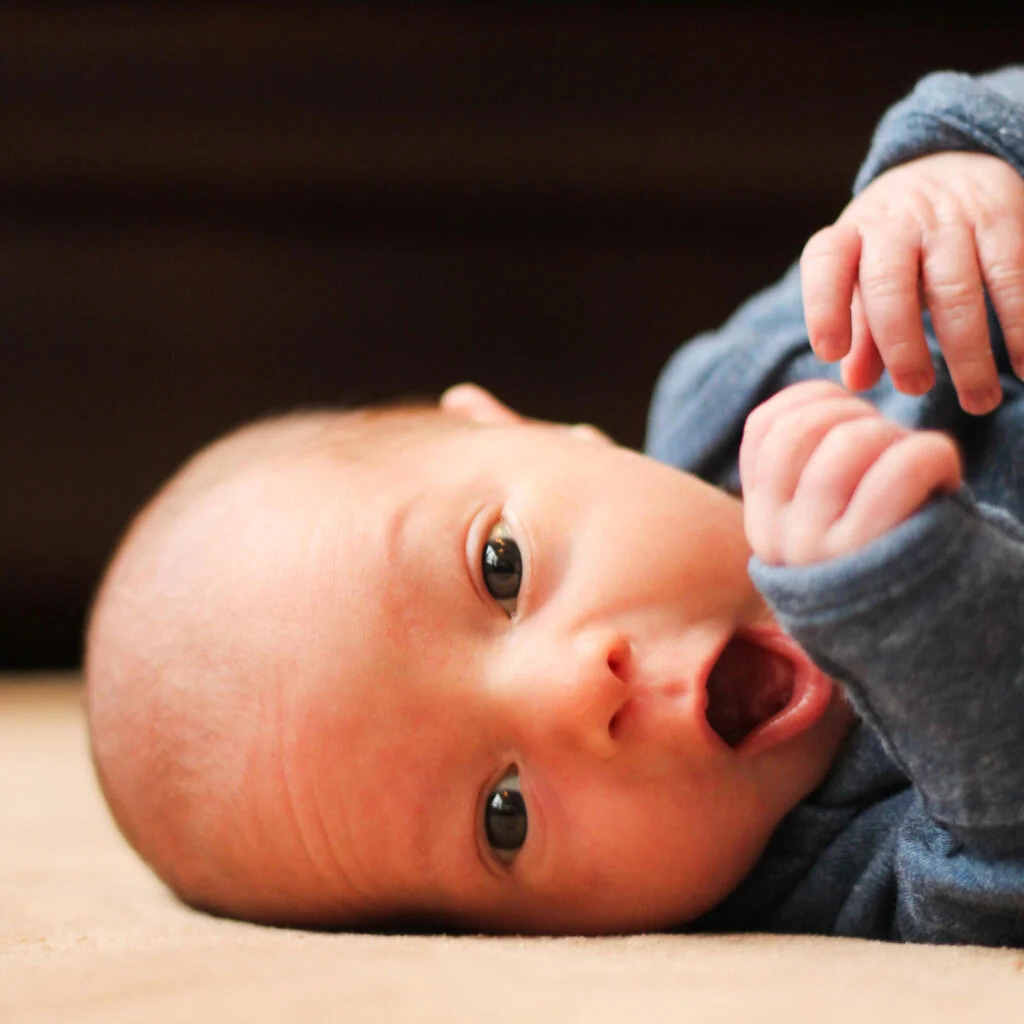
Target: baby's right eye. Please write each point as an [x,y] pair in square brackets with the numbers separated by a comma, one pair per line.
[501,566]
[505,817]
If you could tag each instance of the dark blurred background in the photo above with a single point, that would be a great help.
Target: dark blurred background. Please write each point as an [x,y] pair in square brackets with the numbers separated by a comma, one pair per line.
[212,212]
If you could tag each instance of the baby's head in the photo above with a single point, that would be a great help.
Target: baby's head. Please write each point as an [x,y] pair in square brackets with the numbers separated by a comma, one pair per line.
[446,663]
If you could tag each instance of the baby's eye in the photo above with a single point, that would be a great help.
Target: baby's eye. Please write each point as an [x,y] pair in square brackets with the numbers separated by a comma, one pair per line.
[502,567]
[505,817]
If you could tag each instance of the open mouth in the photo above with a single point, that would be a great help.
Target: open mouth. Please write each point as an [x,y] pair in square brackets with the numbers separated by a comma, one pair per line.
[748,686]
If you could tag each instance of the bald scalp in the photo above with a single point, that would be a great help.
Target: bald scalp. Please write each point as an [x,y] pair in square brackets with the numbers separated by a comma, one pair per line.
[183,703]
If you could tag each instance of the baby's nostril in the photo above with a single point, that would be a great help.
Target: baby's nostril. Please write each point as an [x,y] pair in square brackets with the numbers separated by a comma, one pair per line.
[613,725]
[618,655]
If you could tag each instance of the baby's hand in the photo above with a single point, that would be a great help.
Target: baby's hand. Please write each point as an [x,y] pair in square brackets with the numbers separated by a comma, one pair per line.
[932,232]
[824,473]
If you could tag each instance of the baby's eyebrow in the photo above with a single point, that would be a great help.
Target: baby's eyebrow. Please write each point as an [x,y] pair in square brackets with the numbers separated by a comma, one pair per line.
[444,825]
[424,541]
[394,546]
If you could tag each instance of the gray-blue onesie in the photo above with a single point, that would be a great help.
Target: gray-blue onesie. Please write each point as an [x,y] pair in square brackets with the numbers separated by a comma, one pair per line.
[917,833]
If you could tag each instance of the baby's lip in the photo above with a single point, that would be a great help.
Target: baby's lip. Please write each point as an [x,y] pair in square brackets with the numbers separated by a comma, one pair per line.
[793,692]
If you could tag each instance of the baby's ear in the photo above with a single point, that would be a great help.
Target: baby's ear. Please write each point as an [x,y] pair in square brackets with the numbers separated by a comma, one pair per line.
[478,405]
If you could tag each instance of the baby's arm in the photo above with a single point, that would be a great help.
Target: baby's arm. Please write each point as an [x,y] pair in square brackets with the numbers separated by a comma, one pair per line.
[911,594]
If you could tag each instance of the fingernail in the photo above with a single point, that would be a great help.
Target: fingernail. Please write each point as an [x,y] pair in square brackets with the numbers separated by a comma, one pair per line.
[826,349]
[982,400]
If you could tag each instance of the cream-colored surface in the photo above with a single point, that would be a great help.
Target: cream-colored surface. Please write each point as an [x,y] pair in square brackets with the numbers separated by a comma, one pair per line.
[86,935]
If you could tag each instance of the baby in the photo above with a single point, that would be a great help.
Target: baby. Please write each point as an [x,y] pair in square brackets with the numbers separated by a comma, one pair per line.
[444,662]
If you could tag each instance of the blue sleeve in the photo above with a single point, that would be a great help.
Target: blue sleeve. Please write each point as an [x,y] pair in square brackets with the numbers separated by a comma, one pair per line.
[925,628]
[951,111]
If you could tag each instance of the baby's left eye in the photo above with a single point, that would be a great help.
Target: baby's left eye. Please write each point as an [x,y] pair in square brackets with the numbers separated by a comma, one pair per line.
[505,819]
[501,565]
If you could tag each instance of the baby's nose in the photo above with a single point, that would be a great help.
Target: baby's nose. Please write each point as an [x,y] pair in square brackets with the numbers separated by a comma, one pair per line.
[569,693]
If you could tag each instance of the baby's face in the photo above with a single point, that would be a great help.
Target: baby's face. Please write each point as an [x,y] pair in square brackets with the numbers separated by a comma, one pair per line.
[493,710]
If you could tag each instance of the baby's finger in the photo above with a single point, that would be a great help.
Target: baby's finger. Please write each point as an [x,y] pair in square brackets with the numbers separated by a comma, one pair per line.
[955,297]
[828,482]
[1001,252]
[889,266]
[828,273]
[759,421]
[863,367]
[793,439]
[775,445]
[896,486]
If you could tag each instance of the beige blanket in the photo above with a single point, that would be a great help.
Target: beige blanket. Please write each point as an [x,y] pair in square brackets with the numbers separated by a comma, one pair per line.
[86,934]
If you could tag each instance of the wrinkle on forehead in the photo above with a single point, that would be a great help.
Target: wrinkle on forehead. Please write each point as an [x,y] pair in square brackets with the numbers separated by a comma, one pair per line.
[354,705]
[315,599]
[324,836]
[394,788]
